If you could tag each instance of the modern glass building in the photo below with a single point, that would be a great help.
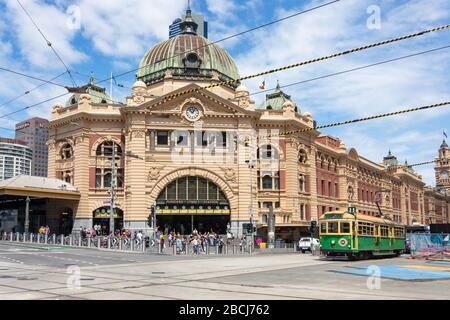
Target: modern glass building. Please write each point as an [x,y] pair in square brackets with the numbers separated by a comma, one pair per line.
[202,28]
[15,158]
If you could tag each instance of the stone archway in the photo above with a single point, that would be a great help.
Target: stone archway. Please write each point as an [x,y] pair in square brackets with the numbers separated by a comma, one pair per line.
[194,208]
[203,173]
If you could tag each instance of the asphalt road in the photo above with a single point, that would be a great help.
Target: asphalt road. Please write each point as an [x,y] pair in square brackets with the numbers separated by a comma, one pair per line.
[32,273]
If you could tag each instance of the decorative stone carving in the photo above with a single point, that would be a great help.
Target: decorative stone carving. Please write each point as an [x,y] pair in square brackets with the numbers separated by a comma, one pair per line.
[230,174]
[153,173]
[139,134]
[350,192]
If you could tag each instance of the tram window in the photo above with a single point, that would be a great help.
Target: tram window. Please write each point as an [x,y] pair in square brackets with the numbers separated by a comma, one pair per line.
[323,227]
[384,231]
[332,227]
[345,227]
[365,229]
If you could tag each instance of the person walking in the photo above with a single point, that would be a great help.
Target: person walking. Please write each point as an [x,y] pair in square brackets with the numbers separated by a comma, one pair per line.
[195,246]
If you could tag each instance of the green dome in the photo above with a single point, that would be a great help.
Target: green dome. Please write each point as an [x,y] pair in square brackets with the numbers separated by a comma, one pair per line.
[276,100]
[98,94]
[187,56]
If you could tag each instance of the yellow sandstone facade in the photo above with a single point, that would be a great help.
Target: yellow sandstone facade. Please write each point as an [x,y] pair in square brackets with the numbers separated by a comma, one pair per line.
[189,155]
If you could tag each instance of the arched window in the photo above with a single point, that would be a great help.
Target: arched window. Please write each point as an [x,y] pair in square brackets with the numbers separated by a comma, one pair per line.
[66,151]
[302,156]
[268,152]
[267,182]
[105,149]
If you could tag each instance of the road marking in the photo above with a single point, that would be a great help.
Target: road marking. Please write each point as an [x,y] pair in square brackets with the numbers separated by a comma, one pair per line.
[426,267]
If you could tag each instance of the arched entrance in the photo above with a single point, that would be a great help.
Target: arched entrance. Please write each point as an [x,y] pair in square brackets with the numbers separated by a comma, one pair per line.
[101,217]
[192,202]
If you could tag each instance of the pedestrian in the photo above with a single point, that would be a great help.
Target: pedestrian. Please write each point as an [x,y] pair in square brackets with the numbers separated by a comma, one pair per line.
[179,245]
[195,246]
[161,243]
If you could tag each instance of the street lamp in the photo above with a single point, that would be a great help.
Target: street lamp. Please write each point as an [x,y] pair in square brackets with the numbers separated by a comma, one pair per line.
[251,165]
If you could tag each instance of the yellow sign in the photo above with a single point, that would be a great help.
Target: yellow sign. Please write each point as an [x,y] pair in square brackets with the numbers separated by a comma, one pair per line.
[194,211]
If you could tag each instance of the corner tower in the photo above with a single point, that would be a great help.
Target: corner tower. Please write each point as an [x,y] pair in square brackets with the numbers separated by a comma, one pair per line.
[442,168]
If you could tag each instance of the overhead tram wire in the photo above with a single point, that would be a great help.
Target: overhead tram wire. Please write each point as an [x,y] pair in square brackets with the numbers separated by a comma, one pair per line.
[30,90]
[365,47]
[231,36]
[33,105]
[33,77]
[303,63]
[48,43]
[353,69]
[347,122]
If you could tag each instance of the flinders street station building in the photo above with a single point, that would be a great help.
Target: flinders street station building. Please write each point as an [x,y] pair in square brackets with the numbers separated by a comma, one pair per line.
[213,159]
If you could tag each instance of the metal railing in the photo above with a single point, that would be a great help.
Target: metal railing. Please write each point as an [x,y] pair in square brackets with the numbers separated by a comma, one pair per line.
[147,245]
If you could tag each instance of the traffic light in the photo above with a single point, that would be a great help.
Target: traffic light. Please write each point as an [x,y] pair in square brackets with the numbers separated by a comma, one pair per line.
[313,226]
[248,228]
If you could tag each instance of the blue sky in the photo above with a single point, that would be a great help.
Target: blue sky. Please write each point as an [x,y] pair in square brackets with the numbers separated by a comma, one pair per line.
[113,35]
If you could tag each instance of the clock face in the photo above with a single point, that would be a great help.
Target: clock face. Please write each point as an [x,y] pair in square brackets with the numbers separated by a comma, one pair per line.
[192,113]
[444,174]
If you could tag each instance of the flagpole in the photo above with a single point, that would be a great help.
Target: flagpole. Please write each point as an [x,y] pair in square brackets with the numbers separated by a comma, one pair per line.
[110,87]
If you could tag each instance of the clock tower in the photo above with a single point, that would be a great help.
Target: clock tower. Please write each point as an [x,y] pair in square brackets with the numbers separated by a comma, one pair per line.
[442,168]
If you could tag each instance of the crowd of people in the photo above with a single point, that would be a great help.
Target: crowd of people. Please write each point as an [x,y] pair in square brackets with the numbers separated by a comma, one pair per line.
[197,242]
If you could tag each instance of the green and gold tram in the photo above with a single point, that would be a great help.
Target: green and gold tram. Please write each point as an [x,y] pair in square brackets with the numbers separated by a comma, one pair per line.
[359,236]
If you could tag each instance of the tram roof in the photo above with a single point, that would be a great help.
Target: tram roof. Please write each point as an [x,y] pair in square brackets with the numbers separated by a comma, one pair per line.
[362,217]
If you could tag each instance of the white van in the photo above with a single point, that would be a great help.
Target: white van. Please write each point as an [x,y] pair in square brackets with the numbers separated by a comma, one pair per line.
[306,244]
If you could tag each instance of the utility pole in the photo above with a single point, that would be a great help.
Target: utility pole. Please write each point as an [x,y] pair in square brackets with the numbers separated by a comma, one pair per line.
[251,165]
[113,195]
[271,228]
[27,214]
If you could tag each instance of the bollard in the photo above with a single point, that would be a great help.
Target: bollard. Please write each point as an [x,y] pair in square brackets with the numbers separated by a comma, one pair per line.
[79,241]
[70,240]
[233,248]
[187,248]
[109,243]
[89,242]
[24,237]
[143,246]
[54,238]
[98,242]
[132,244]
[217,250]
[31,238]
[11,237]
[17,237]
[174,250]
[62,239]
[38,238]
[120,244]
[46,238]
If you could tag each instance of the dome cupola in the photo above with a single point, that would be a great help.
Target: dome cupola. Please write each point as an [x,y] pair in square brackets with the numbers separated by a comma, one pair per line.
[187,56]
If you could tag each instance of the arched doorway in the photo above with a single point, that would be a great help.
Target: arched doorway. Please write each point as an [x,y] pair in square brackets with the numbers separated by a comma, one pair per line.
[101,217]
[192,202]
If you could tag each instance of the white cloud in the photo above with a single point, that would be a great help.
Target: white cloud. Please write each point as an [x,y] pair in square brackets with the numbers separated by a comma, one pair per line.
[52,21]
[127,30]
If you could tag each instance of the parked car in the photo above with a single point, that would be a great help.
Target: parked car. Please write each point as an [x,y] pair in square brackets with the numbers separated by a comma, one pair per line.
[306,244]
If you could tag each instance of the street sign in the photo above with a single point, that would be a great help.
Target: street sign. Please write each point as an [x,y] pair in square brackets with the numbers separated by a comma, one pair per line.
[107,201]
[352,210]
